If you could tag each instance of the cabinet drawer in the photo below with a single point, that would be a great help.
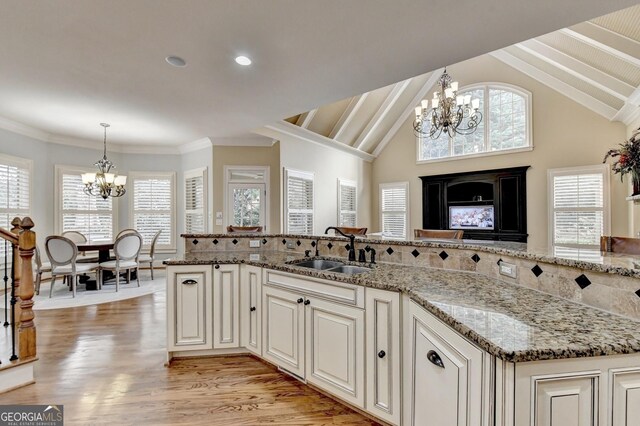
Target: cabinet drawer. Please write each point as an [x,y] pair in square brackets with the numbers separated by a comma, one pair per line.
[349,294]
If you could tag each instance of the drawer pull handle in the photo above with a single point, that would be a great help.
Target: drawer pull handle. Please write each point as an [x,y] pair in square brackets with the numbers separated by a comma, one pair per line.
[306,302]
[253,308]
[217,266]
[189,282]
[300,300]
[435,359]
[381,354]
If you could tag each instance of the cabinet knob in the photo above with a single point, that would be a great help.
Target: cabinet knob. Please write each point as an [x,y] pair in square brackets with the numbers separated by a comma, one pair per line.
[189,282]
[217,266]
[300,300]
[253,308]
[306,302]
[381,354]
[435,359]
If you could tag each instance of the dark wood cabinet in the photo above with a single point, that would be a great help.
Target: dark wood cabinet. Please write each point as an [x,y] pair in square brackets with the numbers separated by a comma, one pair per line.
[504,190]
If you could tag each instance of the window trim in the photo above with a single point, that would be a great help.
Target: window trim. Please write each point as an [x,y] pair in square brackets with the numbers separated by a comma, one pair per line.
[59,170]
[606,197]
[486,86]
[142,175]
[405,184]
[285,198]
[27,163]
[347,182]
[194,173]
[228,169]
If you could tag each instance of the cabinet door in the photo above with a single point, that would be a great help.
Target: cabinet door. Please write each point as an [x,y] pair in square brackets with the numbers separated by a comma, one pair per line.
[226,301]
[626,397]
[188,308]
[251,308]
[283,329]
[566,401]
[335,349]
[383,354]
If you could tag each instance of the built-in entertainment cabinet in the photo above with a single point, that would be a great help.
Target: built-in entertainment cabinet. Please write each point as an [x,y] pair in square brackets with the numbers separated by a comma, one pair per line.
[487,205]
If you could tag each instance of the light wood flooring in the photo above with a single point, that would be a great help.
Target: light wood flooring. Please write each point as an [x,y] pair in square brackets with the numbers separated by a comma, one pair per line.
[105,364]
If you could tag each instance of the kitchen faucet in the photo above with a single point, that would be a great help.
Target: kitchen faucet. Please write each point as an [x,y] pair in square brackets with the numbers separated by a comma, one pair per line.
[352,242]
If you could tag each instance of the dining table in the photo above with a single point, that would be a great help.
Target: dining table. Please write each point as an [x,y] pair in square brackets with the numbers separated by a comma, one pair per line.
[104,255]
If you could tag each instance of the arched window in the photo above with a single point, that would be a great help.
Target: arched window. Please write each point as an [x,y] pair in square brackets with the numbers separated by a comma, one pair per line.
[505,126]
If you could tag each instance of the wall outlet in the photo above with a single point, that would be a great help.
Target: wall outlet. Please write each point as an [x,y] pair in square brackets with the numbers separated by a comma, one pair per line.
[508,269]
[254,257]
[291,245]
[254,243]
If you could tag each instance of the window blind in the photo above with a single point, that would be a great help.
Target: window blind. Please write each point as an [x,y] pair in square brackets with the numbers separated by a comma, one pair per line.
[347,203]
[92,216]
[393,207]
[195,219]
[299,202]
[153,203]
[15,181]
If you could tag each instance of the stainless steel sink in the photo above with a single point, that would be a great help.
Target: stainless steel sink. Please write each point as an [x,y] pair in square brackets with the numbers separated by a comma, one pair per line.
[348,269]
[320,264]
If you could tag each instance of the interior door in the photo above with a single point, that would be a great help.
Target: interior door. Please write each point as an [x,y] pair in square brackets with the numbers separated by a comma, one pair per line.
[246,204]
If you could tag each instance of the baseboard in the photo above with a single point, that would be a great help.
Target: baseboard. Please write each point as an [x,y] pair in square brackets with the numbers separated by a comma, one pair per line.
[16,376]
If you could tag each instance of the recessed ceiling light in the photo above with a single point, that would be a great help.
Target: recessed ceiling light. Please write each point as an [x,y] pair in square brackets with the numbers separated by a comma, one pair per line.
[243,60]
[176,61]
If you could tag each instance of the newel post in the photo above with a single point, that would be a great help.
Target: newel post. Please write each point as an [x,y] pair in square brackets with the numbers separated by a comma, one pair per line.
[27,330]
[17,269]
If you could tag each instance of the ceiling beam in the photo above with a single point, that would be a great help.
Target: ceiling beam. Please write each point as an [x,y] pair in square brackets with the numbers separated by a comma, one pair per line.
[283,128]
[576,68]
[348,114]
[397,90]
[556,84]
[305,118]
[606,40]
[424,89]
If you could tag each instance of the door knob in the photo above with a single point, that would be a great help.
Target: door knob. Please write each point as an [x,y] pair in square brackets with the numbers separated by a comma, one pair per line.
[381,354]
[300,300]
[217,266]
[253,308]
[435,359]
[306,302]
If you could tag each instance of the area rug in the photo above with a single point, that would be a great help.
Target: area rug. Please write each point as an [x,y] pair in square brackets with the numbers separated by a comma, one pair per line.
[63,298]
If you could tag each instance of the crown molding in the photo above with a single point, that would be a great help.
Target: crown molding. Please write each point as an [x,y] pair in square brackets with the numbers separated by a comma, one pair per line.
[255,141]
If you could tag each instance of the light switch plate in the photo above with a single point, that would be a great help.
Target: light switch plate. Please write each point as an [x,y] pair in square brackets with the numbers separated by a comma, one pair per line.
[508,269]
[254,243]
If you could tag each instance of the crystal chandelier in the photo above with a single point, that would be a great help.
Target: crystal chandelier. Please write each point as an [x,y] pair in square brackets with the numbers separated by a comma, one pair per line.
[103,183]
[449,113]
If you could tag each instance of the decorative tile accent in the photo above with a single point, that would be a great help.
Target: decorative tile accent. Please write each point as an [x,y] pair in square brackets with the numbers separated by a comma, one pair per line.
[284,241]
[583,281]
[347,246]
[443,255]
[498,262]
[415,253]
[330,246]
[389,251]
[537,271]
[313,243]
[638,293]
[234,241]
[195,242]
[475,258]
[264,241]
[215,241]
[298,243]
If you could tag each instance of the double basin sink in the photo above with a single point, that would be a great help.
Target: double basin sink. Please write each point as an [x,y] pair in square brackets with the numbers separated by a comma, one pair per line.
[331,266]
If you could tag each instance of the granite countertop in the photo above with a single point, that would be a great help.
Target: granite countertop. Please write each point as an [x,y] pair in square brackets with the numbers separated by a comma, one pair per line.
[511,322]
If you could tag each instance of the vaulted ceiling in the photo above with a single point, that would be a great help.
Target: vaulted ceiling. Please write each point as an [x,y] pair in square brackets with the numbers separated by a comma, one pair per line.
[595,63]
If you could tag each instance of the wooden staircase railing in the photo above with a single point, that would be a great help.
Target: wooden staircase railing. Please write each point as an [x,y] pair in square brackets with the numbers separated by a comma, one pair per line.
[23,243]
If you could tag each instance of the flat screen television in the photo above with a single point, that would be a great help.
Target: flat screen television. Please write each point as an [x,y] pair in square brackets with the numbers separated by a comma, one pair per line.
[471,217]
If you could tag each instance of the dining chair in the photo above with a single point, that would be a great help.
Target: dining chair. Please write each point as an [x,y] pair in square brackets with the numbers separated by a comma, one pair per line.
[152,252]
[62,253]
[125,231]
[450,234]
[75,236]
[40,268]
[127,249]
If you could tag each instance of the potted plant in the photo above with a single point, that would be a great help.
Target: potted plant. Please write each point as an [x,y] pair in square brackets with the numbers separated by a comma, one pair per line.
[627,160]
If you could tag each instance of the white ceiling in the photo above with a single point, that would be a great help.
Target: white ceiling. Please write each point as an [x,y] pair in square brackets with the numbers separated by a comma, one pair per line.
[67,65]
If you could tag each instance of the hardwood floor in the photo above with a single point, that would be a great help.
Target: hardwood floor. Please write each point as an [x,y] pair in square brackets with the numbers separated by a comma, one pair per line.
[105,364]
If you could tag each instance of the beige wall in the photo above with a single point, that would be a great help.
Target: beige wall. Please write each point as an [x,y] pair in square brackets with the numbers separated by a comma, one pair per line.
[565,134]
[247,156]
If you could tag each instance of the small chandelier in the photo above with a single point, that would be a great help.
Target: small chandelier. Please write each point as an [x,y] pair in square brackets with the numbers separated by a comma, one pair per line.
[104,184]
[450,113]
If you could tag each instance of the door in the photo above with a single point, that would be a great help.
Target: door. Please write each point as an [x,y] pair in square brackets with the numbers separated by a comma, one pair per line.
[335,349]
[246,204]
[283,329]
[383,354]
[188,304]
[226,302]
[566,401]
[626,397]
[251,308]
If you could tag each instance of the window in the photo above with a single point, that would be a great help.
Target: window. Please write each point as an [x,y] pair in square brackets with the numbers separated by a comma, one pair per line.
[195,201]
[152,205]
[394,201]
[505,126]
[298,202]
[77,211]
[579,207]
[15,193]
[347,203]
[246,200]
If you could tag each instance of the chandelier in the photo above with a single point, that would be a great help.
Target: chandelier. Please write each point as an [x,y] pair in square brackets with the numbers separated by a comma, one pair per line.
[103,183]
[449,113]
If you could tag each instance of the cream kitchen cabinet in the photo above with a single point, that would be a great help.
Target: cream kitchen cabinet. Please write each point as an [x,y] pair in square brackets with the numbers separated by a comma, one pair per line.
[226,306]
[625,396]
[251,308]
[189,308]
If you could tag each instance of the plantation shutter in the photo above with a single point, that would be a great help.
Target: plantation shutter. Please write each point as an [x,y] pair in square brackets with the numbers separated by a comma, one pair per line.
[347,193]
[393,203]
[195,220]
[578,203]
[153,201]
[92,216]
[299,202]
[14,194]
